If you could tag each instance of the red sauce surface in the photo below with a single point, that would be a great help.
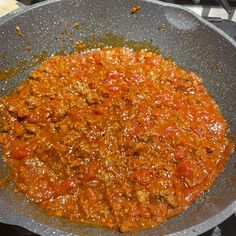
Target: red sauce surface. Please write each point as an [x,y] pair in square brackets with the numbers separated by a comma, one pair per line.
[113,137]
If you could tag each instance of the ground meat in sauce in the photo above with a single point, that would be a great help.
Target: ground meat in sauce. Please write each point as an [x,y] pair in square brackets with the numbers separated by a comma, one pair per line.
[113,138]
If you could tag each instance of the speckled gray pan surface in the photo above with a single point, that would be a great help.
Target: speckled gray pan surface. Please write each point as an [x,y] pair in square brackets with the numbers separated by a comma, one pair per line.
[190,41]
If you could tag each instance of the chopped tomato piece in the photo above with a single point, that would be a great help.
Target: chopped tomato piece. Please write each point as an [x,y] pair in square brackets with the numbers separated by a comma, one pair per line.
[90,173]
[97,57]
[75,114]
[170,132]
[143,176]
[144,212]
[19,153]
[153,60]
[180,152]
[62,187]
[185,169]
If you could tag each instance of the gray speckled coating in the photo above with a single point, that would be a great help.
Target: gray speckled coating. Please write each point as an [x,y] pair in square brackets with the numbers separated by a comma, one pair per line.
[189,40]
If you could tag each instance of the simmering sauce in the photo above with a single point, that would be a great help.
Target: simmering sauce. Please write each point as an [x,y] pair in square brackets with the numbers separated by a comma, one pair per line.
[113,137]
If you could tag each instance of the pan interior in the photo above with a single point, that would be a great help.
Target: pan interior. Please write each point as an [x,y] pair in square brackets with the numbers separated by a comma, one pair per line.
[178,34]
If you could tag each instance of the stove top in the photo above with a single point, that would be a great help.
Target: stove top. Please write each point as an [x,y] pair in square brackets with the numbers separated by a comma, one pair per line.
[214,12]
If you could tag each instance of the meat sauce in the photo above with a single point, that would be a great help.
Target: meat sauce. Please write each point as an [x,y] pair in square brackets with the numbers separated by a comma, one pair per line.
[113,138]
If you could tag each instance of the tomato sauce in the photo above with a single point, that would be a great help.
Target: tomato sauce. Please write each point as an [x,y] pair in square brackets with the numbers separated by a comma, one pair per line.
[113,137]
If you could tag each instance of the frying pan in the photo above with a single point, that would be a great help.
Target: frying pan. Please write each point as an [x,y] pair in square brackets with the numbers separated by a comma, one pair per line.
[192,42]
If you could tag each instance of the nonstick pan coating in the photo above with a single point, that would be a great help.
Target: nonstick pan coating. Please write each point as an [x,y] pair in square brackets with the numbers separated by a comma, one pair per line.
[192,42]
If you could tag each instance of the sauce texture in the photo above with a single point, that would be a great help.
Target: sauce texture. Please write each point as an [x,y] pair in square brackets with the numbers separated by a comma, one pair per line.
[113,137]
